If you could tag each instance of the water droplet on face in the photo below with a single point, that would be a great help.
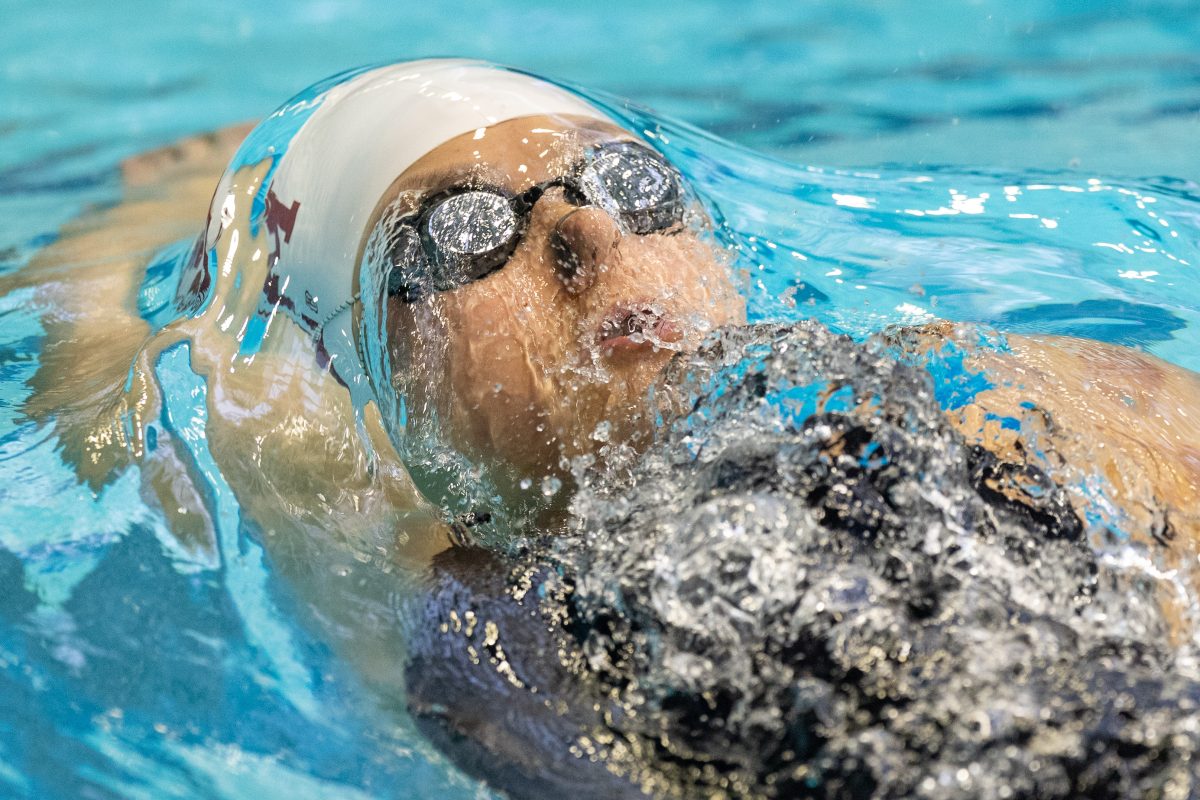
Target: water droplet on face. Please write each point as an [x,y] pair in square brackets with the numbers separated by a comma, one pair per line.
[602,432]
[550,486]
[526,483]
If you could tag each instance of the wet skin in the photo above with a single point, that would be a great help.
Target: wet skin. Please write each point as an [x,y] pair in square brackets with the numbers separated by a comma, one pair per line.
[533,364]
[1122,415]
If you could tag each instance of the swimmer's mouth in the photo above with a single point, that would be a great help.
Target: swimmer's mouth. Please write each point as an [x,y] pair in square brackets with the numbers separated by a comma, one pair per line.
[634,328]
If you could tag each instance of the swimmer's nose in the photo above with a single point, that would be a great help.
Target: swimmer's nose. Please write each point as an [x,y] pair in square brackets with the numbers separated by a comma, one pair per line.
[584,241]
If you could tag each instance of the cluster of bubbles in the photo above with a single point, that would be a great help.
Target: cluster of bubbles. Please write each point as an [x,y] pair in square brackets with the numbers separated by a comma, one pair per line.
[811,586]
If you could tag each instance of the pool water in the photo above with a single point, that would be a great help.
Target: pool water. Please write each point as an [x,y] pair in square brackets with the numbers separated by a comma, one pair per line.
[1026,164]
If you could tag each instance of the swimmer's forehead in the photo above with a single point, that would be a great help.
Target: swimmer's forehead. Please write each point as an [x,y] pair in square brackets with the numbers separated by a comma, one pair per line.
[513,154]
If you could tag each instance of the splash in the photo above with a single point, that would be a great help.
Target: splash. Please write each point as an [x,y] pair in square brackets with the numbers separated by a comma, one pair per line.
[812,586]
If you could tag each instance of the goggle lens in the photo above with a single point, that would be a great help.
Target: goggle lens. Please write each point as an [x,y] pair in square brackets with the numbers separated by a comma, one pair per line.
[471,224]
[629,181]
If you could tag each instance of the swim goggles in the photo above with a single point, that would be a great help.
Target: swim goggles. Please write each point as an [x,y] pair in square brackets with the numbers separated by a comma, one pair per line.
[463,234]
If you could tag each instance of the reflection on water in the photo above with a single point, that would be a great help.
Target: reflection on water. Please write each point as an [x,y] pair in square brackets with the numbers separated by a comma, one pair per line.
[131,668]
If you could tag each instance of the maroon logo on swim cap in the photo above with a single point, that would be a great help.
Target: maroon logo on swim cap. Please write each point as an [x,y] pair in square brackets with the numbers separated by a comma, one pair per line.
[280,220]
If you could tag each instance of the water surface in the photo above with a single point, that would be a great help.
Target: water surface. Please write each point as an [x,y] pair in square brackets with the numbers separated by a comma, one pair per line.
[1028,164]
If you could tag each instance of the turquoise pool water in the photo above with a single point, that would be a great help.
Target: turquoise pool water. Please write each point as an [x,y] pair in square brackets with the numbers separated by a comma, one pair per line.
[1028,164]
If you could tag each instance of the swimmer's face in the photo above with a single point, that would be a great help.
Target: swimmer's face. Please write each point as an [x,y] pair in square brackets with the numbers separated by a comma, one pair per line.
[547,348]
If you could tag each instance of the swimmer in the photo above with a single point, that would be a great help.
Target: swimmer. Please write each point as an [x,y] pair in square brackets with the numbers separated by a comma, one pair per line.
[441,259]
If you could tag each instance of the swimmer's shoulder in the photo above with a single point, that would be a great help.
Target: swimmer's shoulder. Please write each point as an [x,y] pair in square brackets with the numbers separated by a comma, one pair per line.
[1125,414]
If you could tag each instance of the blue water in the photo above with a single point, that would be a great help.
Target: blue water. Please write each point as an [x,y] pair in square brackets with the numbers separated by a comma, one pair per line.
[1027,163]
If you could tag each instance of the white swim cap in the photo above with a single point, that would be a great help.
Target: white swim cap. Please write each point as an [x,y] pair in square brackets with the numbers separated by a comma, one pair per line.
[363,134]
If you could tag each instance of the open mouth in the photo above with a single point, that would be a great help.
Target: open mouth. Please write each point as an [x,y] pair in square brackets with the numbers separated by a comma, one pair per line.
[639,327]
